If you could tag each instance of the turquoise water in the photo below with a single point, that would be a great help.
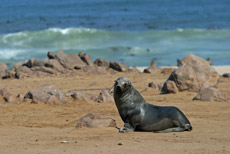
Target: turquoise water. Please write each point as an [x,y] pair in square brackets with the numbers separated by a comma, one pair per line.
[129,31]
[131,48]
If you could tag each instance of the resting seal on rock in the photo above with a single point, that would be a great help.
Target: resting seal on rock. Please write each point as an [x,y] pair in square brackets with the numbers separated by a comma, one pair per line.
[138,115]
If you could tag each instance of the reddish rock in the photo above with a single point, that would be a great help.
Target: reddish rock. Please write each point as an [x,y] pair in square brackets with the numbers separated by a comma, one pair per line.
[105,97]
[91,121]
[45,94]
[194,74]
[210,94]
[4,72]
[69,61]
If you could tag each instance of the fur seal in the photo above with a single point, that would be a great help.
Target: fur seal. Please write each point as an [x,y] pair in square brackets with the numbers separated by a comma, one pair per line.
[138,115]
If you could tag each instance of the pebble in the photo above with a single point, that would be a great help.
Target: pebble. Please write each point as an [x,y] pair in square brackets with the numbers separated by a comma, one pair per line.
[64,142]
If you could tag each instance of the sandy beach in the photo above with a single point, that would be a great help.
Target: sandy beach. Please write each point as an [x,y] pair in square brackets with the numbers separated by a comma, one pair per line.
[39,128]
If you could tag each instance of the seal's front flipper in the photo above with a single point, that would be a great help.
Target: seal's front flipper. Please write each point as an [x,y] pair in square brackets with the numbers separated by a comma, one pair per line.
[175,129]
[127,128]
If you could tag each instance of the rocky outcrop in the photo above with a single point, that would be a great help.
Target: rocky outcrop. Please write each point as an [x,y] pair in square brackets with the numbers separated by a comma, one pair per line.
[210,94]
[91,121]
[47,93]
[194,74]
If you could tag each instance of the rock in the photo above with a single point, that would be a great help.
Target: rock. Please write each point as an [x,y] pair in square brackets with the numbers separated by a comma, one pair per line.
[169,87]
[152,67]
[69,61]
[8,98]
[43,71]
[154,85]
[54,64]
[210,94]
[105,97]
[86,58]
[226,75]
[78,95]
[35,62]
[22,71]
[3,68]
[4,72]
[46,94]
[51,55]
[118,66]
[91,120]
[194,74]
[101,62]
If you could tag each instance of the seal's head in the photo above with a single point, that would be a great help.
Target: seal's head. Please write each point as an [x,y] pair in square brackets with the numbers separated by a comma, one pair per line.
[121,85]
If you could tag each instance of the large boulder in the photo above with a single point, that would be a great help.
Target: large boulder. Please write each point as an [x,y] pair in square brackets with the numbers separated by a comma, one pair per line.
[47,93]
[69,61]
[210,94]
[194,74]
[91,121]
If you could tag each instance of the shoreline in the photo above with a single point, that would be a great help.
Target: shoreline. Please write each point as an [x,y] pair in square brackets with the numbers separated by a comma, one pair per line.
[221,69]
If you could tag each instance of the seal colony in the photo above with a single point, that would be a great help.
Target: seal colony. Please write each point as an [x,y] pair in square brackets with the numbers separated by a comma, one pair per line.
[138,115]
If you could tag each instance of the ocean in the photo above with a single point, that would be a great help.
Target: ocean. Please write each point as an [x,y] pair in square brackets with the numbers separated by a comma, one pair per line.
[129,31]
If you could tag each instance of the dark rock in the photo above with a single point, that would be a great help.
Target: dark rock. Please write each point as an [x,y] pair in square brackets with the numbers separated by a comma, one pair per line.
[210,94]
[147,70]
[51,55]
[226,75]
[69,61]
[169,87]
[194,74]
[105,97]
[118,66]
[91,121]
[78,95]
[101,62]
[86,58]
[46,94]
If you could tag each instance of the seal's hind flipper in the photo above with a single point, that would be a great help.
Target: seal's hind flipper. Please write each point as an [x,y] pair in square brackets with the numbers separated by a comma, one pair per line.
[175,129]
